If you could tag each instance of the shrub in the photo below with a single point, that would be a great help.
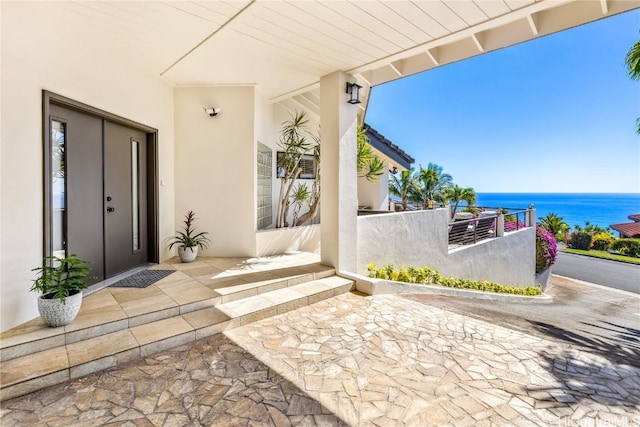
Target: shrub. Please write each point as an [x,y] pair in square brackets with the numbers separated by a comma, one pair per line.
[603,241]
[427,275]
[546,249]
[513,225]
[628,247]
[581,240]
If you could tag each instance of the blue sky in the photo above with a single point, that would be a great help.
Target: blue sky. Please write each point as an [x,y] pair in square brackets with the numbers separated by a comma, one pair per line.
[555,114]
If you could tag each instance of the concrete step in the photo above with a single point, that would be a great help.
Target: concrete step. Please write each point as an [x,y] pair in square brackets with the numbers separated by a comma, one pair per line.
[101,314]
[45,367]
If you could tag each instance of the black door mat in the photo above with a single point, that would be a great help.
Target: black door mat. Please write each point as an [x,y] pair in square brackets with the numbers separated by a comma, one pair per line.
[142,279]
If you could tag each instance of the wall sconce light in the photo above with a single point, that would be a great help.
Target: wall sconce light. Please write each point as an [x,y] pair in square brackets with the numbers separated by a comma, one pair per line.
[212,112]
[353,89]
[393,170]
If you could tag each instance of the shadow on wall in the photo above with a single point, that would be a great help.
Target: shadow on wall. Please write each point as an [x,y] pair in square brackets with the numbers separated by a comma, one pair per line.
[288,240]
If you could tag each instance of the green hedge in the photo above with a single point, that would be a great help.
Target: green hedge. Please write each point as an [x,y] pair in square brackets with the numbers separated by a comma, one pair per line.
[429,276]
[581,240]
[603,241]
[628,247]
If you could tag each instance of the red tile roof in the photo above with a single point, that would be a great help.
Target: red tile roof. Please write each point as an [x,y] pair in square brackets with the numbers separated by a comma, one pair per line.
[628,229]
[634,217]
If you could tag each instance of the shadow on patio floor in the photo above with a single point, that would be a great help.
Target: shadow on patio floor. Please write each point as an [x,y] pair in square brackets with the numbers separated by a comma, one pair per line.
[210,382]
[619,344]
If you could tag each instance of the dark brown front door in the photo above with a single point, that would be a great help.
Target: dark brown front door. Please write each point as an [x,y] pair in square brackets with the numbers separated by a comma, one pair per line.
[103,205]
[125,193]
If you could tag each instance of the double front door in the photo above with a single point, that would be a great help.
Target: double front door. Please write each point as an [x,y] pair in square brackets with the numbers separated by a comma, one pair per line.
[98,191]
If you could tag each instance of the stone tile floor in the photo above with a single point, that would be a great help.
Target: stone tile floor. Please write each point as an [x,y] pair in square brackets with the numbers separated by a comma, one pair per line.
[350,360]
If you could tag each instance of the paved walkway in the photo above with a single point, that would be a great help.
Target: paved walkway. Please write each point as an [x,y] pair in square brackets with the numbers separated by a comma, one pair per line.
[351,360]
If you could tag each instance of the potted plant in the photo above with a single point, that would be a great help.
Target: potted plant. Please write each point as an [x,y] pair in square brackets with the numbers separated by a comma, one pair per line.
[188,240]
[60,282]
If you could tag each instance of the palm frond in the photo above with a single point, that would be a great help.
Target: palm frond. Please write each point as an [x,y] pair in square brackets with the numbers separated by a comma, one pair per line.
[632,60]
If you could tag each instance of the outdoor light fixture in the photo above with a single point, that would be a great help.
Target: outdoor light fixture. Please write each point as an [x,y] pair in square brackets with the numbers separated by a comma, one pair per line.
[393,170]
[212,112]
[353,89]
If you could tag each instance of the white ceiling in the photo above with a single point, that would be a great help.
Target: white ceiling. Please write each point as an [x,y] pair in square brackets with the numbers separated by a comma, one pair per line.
[285,47]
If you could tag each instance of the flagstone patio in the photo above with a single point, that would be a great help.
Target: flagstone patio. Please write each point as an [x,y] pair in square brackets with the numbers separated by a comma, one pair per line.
[350,360]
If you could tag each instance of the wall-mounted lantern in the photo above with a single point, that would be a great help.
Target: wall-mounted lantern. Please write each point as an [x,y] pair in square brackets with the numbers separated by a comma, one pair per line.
[353,89]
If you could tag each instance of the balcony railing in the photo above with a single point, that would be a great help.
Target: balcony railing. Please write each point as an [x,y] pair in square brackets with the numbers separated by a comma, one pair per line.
[489,223]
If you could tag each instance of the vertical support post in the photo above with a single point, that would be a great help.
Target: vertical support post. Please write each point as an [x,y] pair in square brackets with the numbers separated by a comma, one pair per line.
[532,216]
[339,196]
[500,225]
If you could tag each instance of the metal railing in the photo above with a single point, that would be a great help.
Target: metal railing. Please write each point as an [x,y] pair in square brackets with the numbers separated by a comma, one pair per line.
[489,223]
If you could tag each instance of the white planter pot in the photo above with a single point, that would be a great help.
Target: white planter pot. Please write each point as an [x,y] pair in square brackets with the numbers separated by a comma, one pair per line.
[55,313]
[188,254]
[544,279]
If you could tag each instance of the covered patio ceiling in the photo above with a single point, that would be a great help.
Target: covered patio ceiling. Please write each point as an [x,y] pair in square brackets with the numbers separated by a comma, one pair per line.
[285,47]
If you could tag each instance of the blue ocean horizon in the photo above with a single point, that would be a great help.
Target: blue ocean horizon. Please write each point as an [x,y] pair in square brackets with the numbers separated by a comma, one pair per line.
[602,209]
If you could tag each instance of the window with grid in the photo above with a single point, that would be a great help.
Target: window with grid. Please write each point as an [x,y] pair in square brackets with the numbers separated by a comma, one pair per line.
[265,184]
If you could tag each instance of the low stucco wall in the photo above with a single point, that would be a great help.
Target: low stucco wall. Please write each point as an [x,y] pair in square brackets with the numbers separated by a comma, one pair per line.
[421,238]
[285,240]
[371,286]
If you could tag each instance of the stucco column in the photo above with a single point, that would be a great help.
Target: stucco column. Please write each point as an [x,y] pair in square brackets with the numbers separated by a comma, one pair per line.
[339,195]
[532,216]
[500,225]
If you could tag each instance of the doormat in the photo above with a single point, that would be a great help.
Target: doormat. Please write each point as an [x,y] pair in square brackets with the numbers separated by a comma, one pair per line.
[142,279]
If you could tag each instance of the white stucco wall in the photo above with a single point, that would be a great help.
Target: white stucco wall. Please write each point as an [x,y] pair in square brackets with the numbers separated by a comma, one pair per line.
[38,53]
[421,238]
[215,160]
[374,194]
[288,240]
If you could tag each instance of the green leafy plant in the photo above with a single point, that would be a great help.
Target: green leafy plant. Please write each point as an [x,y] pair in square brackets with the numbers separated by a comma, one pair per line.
[189,238]
[581,240]
[591,228]
[370,166]
[632,60]
[296,141]
[554,224]
[432,183]
[603,241]
[546,249]
[60,278]
[628,247]
[299,197]
[404,185]
[428,276]
[456,194]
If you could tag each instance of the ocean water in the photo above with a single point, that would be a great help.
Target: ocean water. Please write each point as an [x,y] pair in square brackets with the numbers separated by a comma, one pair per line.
[602,209]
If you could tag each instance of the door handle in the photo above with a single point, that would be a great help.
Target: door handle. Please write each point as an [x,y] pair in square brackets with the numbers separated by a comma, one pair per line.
[110,209]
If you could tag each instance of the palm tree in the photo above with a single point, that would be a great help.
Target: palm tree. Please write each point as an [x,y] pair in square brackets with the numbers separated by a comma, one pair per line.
[403,185]
[554,224]
[633,61]
[370,166]
[457,194]
[295,143]
[633,68]
[433,181]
